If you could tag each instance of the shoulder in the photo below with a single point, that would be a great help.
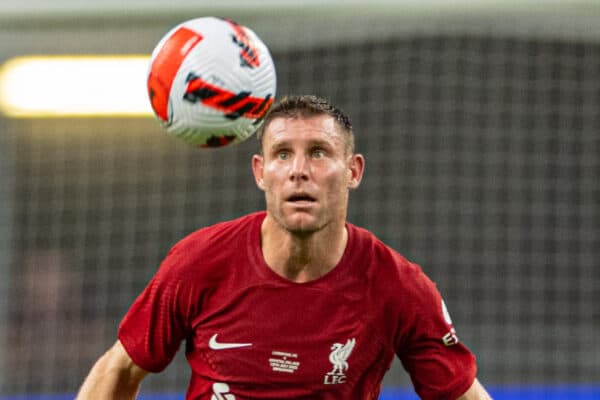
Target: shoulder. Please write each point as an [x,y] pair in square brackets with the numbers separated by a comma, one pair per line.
[222,230]
[212,246]
[397,290]
[223,236]
[390,273]
[382,258]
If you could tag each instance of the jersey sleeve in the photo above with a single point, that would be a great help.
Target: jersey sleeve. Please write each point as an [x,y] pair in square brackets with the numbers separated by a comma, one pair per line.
[439,365]
[155,325]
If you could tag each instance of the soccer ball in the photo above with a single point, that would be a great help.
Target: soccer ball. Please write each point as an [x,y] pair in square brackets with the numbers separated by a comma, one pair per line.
[211,81]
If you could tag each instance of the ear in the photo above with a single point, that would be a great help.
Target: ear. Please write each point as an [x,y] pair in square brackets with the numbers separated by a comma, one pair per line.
[257,170]
[356,168]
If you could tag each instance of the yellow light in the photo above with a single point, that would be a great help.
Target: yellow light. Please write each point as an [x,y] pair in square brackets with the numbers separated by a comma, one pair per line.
[63,86]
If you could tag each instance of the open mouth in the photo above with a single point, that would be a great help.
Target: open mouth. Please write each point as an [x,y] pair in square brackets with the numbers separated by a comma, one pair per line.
[300,198]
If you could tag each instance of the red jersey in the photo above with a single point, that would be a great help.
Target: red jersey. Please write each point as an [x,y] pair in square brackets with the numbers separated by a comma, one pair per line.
[251,334]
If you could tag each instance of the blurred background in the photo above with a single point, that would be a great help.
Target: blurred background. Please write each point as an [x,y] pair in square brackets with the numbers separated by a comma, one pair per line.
[480,122]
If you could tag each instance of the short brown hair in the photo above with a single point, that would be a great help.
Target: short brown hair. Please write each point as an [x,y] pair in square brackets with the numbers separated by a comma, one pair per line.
[308,106]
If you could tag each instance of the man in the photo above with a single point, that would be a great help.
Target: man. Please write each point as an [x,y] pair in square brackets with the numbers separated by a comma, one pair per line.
[294,302]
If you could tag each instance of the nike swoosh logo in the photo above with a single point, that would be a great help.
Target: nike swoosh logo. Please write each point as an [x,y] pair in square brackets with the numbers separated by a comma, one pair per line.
[214,345]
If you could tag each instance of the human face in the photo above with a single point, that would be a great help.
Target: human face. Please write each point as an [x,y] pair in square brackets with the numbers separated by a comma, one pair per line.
[306,173]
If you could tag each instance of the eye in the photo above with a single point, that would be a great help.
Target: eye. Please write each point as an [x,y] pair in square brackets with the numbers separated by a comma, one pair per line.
[283,155]
[318,153]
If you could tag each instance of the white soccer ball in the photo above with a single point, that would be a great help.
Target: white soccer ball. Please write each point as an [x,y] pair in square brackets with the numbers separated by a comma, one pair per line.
[211,81]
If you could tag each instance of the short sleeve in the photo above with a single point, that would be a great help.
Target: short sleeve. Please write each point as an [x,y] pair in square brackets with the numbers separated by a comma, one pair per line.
[155,325]
[439,365]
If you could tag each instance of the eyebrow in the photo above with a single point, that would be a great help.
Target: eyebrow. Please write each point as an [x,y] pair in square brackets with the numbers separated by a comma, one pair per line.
[311,144]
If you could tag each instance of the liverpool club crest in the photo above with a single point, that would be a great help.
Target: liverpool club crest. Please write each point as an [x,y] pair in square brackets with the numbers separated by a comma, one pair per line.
[339,359]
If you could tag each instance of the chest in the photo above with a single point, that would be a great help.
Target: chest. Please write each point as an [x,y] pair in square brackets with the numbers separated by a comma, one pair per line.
[304,339]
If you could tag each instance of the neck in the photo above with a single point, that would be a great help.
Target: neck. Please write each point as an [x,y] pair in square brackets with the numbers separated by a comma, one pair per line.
[302,257]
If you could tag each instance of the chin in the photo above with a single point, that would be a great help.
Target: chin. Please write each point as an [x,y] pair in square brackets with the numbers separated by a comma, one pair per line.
[302,228]
[301,225]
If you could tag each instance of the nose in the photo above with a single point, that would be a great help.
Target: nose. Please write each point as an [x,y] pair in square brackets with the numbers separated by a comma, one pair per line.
[299,170]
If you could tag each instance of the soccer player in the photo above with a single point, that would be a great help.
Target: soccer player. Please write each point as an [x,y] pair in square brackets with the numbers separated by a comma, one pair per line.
[294,302]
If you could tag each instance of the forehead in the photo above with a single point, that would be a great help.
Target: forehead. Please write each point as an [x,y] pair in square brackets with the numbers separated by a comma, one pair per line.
[320,128]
